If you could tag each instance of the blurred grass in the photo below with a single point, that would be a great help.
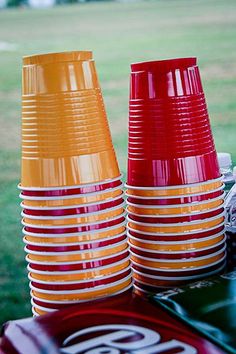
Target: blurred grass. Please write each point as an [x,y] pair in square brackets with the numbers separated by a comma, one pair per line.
[118,33]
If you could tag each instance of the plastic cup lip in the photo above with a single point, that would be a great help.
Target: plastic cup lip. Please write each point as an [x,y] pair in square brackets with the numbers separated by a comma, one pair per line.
[174,243]
[40,208]
[180,269]
[31,261]
[82,271]
[80,252]
[57,57]
[175,206]
[74,225]
[176,215]
[180,252]
[80,281]
[87,290]
[70,187]
[176,233]
[73,196]
[67,302]
[73,216]
[195,259]
[186,223]
[175,196]
[38,307]
[165,65]
[219,179]
[76,234]
[189,277]
[48,244]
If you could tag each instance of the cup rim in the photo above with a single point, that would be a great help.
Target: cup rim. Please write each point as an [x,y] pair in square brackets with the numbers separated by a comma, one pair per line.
[71,253]
[74,272]
[180,224]
[32,261]
[166,64]
[40,208]
[176,206]
[180,186]
[177,233]
[48,244]
[73,234]
[73,225]
[72,196]
[80,281]
[45,309]
[58,57]
[167,216]
[79,301]
[179,252]
[188,277]
[175,196]
[73,216]
[70,187]
[81,291]
[180,269]
[195,259]
[172,243]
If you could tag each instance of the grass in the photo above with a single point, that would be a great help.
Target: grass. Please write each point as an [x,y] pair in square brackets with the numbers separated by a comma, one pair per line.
[118,33]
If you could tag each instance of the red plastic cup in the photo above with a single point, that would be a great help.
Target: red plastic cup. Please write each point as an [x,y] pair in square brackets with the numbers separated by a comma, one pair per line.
[72,191]
[173,171]
[165,78]
[76,210]
[85,264]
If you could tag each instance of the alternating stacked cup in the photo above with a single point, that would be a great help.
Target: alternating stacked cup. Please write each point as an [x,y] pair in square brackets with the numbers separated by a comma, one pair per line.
[175,191]
[73,205]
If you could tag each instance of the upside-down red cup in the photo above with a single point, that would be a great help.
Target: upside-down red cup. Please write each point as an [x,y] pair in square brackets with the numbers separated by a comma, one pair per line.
[39,247]
[73,228]
[78,219]
[178,255]
[177,238]
[74,190]
[82,284]
[165,78]
[73,211]
[80,265]
[175,200]
[176,219]
[173,171]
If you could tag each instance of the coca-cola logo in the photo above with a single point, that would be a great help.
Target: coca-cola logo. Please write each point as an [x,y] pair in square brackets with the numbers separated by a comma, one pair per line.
[122,338]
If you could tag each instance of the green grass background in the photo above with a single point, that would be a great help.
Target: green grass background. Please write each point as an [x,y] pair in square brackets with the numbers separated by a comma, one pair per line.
[118,33]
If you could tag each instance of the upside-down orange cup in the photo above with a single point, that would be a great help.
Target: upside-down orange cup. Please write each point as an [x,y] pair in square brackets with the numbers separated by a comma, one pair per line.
[79,275]
[74,296]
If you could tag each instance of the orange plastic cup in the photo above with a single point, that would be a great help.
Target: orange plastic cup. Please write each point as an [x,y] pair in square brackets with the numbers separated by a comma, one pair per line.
[65,220]
[177,246]
[45,80]
[177,210]
[197,262]
[175,190]
[83,295]
[77,200]
[75,256]
[177,228]
[95,273]
[81,237]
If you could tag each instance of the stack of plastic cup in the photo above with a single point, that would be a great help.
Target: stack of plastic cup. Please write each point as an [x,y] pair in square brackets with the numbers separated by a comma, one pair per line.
[73,203]
[175,191]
